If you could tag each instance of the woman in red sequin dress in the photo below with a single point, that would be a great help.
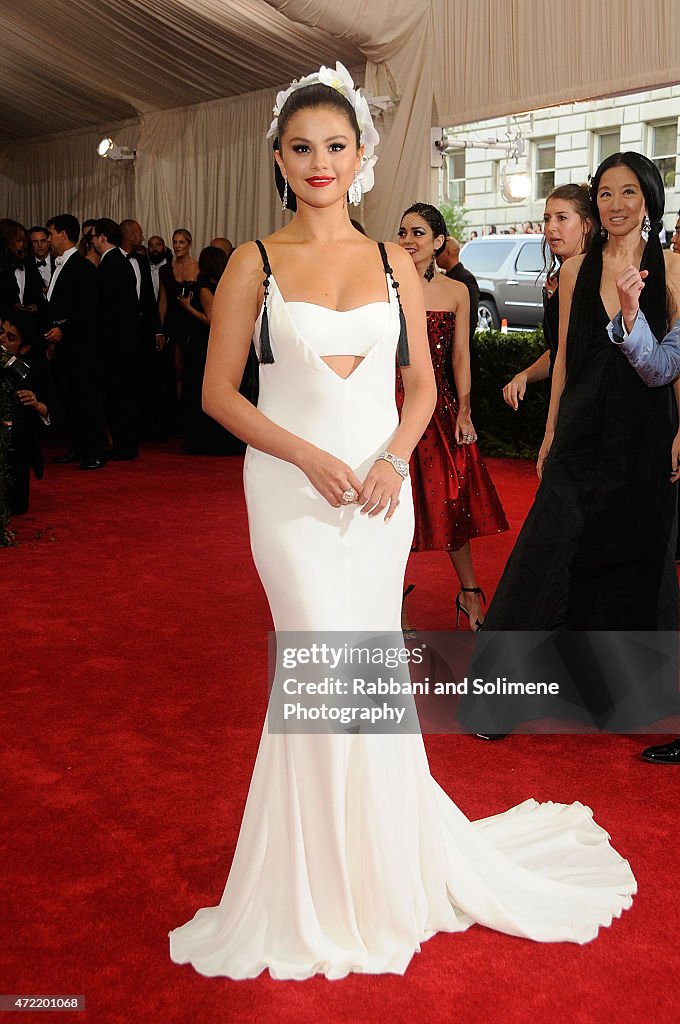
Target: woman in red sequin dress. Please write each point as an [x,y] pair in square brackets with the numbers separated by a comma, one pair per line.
[455,499]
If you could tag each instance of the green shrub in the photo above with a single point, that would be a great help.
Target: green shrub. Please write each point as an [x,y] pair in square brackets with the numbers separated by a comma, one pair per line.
[501,430]
[455,216]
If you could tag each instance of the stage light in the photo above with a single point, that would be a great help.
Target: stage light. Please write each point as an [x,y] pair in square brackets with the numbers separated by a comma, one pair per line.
[109,150]
[515,183]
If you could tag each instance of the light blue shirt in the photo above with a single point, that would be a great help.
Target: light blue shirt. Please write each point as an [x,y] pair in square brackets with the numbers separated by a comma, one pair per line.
[656,362]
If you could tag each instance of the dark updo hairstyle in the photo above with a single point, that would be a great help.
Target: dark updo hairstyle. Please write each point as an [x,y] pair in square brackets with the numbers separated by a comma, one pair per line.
[211,263]
[311,97]
[579,197]
[656,299]
[433,219]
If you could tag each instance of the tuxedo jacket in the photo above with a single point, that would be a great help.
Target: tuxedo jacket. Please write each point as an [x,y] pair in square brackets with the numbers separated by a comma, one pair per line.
[148,304]
[73,301]
[118,310]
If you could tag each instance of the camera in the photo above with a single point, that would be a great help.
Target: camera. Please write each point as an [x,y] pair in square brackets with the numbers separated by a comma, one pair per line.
[16,369]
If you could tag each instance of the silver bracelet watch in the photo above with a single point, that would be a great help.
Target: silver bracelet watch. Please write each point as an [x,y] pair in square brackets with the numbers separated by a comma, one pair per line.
[401,465]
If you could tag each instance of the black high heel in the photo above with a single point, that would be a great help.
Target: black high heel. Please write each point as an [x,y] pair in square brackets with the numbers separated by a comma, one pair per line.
[409,634]
[460,608]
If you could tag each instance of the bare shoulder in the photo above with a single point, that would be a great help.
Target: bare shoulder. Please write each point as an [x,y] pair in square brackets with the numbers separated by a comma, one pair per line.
[569,270]
[672,264]
[455,289]
[672,260]
[245,262]
[399,258]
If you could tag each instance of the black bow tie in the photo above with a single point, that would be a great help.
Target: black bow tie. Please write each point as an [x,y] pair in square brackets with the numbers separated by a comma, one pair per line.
[41,263]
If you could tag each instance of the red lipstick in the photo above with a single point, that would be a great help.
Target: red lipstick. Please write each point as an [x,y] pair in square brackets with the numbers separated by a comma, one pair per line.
[319,182]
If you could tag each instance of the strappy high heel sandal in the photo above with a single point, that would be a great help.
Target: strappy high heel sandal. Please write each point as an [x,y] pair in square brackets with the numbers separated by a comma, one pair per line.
[460,608]
[410,633]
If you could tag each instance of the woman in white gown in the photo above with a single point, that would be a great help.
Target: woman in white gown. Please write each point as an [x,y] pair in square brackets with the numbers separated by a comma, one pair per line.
[350,855]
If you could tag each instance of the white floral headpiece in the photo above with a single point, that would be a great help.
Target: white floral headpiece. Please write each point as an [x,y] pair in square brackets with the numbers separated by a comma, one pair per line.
[342,81]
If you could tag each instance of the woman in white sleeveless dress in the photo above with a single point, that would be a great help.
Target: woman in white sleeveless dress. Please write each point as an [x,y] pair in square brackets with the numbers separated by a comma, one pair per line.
[350,855]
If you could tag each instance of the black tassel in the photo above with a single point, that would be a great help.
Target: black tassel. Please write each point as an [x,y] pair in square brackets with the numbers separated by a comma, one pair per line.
[403,357]
[266,354]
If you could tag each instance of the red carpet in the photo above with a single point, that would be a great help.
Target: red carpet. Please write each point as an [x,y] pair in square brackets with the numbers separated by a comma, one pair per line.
[134,646]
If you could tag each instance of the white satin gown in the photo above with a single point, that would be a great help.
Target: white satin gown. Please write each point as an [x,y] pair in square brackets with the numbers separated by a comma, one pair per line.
[350,855]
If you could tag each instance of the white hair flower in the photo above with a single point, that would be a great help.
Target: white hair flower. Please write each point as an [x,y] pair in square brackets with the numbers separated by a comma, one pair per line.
[340,80]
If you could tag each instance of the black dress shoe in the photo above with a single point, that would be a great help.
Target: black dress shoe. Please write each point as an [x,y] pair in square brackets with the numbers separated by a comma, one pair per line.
[62,460]
[491,735]
[667,753]
[93,463]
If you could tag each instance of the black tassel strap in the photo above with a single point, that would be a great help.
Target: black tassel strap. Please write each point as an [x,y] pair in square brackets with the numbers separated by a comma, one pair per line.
[266,354]
[403,358]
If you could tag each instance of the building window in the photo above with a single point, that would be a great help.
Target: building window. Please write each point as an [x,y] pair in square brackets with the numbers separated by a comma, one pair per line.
[545,168]
[664,144]
[607,143]
[454,183]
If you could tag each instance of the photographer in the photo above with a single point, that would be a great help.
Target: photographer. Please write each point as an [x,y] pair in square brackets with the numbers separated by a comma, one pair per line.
[34,405]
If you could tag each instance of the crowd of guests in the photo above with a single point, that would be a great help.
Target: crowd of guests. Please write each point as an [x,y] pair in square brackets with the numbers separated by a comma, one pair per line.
[109,335]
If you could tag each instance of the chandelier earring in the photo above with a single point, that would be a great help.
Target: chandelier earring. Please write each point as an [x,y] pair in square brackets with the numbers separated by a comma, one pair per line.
[284,197]
[646,228]
[429,273]
[355,191]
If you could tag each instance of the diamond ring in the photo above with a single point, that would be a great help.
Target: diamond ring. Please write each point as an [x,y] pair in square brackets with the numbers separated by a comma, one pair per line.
[348,496]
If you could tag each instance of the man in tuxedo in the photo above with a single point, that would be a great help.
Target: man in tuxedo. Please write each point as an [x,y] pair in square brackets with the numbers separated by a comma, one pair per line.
[120,329]
[159,256]
[73,345]
[44,260]
[449,261]
[152,336]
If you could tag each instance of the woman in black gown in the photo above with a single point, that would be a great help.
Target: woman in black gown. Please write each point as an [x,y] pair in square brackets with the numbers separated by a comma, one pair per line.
[597,550]
[567,231]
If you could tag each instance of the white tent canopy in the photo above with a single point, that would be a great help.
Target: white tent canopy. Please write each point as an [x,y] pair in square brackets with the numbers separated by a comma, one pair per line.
[190,85]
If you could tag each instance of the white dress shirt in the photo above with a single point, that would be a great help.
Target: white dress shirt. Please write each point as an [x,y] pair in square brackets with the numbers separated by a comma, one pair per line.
[20,275]
[58,264]
[155,267]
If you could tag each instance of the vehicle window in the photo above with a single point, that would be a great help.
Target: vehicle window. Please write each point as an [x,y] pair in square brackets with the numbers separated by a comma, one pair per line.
[486,256]
[530,258]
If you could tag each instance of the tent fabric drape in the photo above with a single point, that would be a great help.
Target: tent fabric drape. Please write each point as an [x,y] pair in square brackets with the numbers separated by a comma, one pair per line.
[64,175]
[207,166]
[70,63]
[495,57]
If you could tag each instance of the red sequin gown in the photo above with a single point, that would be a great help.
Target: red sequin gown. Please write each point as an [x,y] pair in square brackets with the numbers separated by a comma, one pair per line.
[455,499]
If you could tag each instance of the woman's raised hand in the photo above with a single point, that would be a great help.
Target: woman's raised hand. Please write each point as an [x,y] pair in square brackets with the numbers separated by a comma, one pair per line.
[629,285]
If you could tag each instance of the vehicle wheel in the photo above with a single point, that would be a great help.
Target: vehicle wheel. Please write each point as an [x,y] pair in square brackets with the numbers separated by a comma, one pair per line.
[489,319]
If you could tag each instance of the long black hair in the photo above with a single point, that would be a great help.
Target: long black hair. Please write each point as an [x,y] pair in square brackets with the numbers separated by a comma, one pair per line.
[654,299]
[433,218]
[311,97]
